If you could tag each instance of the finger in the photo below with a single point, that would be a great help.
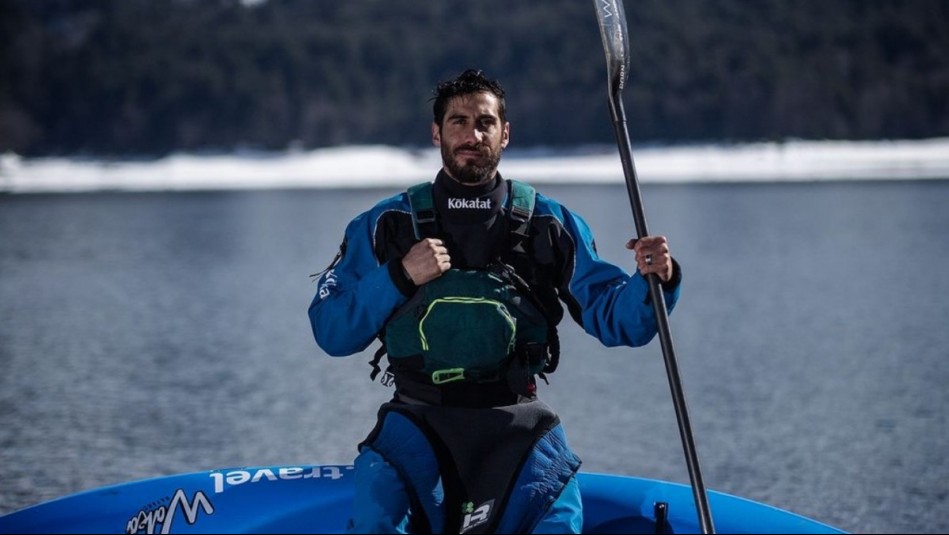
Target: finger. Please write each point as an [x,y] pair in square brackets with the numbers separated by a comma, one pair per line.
[661,266]
[652,245]
[653,241]
[651,258]
[437,250]
[647,255]
[644,265]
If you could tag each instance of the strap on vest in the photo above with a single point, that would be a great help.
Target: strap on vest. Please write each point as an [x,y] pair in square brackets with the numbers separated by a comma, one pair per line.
[521,208]
[422,201]
[388,379]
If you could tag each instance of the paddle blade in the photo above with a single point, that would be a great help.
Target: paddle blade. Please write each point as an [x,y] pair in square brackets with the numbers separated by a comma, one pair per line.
[612,20]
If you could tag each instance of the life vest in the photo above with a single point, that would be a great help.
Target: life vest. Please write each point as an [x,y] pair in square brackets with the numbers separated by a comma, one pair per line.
[473,326]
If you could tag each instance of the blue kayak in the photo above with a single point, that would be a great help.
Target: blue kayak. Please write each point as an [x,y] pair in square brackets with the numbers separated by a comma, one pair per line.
[316,499]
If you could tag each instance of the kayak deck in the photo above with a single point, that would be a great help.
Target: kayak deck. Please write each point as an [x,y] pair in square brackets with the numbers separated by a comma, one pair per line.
[316,499]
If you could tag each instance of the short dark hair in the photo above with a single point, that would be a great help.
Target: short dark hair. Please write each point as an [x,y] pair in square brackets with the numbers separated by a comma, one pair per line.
[466,83]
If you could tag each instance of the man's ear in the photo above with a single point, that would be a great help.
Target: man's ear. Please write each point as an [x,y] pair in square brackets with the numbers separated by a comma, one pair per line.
[506,135]
[436,135]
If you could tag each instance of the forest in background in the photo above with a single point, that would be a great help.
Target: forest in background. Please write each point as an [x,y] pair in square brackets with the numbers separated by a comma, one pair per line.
[142,78]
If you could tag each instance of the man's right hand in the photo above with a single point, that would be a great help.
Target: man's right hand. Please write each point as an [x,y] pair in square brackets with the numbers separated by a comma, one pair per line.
[426,261]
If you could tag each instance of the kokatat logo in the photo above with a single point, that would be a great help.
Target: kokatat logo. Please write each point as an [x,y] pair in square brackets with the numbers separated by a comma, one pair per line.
[469,204]
[475,517]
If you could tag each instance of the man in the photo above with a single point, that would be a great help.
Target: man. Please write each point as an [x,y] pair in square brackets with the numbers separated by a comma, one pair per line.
[464,280]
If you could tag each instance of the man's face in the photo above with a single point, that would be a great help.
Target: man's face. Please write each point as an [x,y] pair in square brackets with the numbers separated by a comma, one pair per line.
[472,137]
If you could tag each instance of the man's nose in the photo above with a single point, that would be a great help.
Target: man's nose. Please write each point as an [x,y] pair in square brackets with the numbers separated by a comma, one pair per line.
[474,135]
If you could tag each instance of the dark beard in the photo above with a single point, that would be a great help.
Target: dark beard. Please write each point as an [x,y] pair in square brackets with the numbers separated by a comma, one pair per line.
[470,172]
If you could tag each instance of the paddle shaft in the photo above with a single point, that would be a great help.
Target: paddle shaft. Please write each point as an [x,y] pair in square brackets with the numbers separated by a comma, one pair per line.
[662,314]
[611,18]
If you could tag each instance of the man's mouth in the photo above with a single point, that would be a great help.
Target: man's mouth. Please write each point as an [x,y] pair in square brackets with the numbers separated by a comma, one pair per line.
[468,152]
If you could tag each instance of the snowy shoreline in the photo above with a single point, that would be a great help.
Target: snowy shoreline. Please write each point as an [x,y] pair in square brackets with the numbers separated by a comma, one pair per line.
[383,166]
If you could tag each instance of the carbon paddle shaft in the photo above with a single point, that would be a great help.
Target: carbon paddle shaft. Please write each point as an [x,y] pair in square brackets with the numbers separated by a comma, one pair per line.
[612,22]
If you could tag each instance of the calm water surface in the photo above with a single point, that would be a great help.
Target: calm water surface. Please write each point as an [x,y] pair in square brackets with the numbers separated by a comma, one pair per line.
[151,334]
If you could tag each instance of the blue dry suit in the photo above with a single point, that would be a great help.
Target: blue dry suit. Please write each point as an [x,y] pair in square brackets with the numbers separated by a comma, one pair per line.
[438,454]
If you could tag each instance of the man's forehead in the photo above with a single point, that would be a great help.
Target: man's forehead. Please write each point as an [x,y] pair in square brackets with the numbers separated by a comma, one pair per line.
[481,103]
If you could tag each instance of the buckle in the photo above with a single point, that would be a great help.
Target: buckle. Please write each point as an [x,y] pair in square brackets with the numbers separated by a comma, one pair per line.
[448,375]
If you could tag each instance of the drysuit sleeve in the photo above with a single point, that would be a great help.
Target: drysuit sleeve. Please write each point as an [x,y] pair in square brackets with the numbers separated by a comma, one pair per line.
[603,298]
[355,297]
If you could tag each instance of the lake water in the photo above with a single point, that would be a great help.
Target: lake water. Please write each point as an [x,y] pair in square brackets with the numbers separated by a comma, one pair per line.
[145,334]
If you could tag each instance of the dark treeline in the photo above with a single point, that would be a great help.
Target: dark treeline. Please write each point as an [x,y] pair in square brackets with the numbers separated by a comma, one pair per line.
[145,77]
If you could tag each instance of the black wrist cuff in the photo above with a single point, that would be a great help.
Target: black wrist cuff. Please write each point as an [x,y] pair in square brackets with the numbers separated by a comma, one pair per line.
[401,278]
[676,278]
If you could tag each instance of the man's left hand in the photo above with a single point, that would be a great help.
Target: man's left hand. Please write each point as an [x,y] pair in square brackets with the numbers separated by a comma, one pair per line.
[652,256]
